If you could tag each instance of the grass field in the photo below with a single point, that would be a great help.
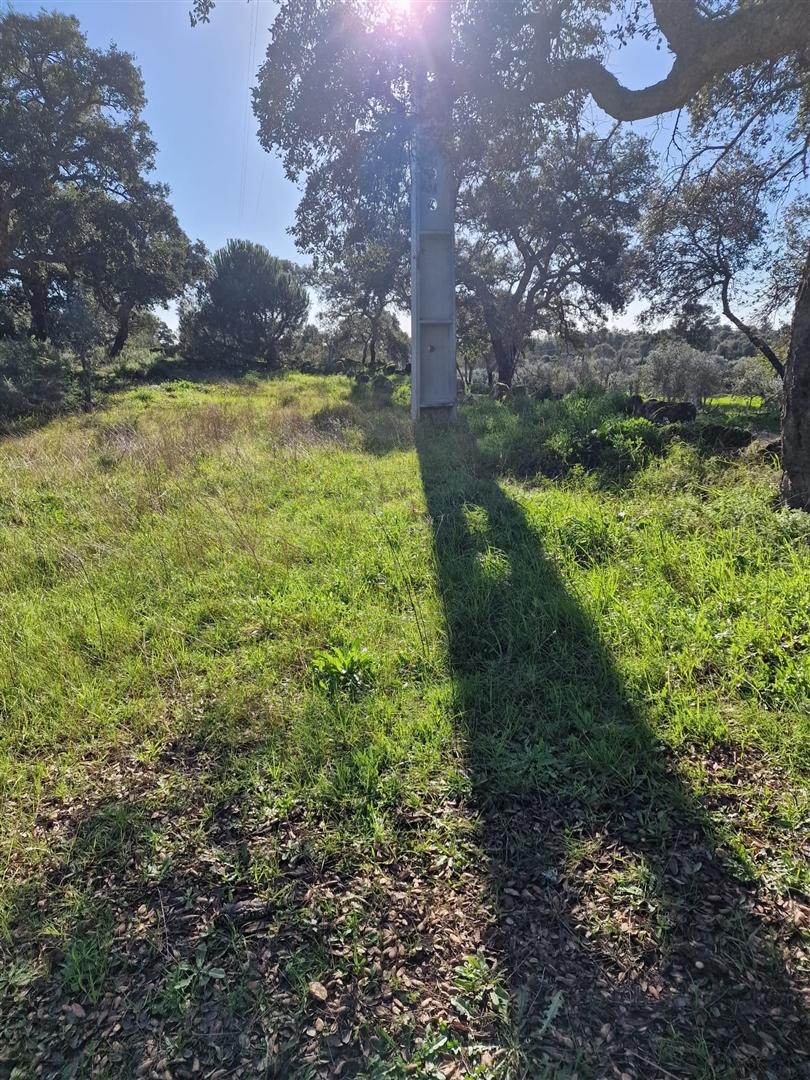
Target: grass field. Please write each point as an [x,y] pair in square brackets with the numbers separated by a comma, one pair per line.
[736,401]
[328,752]
[753,412]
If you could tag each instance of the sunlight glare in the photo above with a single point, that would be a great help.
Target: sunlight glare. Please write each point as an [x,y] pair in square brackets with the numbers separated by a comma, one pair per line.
[399,8]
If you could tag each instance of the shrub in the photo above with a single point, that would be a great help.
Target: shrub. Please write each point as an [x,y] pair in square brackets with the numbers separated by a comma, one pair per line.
[35,377]
[527,437]
[723,436]
[622,443]
[137,362]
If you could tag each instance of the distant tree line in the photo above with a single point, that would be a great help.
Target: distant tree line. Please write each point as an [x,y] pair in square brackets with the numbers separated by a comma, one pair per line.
[663,365]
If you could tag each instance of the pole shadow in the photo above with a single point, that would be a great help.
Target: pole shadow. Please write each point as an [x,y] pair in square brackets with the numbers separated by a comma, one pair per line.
[629,946]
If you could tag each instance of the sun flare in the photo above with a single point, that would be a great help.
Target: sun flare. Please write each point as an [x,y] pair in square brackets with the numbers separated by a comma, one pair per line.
[398,8]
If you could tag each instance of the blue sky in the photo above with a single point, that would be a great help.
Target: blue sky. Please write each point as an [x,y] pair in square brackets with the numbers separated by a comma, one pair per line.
[197,84]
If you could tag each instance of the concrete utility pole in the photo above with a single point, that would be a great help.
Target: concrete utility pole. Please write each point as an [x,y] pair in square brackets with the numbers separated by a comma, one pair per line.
[433,275]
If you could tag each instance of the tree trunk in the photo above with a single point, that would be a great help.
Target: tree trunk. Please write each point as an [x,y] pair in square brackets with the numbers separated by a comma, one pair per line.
[121,334]
[505,360]
[759,343]
[796,404]
[87,381]
[372,351]
[36,293]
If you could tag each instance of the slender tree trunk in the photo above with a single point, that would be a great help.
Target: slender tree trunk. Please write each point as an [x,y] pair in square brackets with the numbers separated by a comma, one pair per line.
[796,404]
[36,293]
[122,333]
[87,380]
[372,351]
[6,237]
[759,343]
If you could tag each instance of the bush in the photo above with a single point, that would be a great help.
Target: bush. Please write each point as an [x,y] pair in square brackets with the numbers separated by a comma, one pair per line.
[136,361]
[527,437]
[35,377]
[723,436]
[622,443]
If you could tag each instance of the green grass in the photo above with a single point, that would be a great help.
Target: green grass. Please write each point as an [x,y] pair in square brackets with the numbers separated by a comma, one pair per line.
[512,765]
[750,412]
[736,400]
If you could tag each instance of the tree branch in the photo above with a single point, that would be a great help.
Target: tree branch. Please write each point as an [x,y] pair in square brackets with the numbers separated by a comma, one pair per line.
[704,48]
[751,334]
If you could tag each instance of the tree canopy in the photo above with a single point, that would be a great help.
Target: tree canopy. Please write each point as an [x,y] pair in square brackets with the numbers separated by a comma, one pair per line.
[249,307]
[544,231]
[72,134]
[77,206]
[712,237]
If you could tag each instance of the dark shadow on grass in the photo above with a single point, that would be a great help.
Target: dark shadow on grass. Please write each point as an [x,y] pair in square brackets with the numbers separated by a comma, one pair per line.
[20,426]
[380,424]
[628,942]
[178,930]
[158,942]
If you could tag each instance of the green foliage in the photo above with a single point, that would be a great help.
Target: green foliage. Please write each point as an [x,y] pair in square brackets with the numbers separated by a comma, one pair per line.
[545,221]
[345,670]
[35,377]
[753,378]
[250,307]
[78,211]
[353,343]
[87,957]
[481,988]
[139,258]
[185,982]
[674,370]
[527,437]
[362,280]
[622,443]
[588,537]
[61,153]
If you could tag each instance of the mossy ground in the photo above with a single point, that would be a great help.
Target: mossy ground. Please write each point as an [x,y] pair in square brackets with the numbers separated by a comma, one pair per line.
[328,751]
